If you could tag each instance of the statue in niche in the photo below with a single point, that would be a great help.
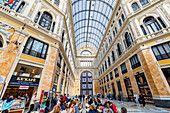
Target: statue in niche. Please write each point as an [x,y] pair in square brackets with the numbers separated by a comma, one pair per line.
[4,30]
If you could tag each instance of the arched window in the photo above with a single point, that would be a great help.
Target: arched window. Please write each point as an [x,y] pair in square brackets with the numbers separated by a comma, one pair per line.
[144,2]
[119,51]
[37,17]
[151,24]
[86,52]
[135,6]
[113,56]
[123,17]
[12,5]
[128,39]
[57,2]
[20,7]
[46,20]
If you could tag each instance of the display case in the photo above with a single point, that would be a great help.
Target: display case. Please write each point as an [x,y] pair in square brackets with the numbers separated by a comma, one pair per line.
[18,106]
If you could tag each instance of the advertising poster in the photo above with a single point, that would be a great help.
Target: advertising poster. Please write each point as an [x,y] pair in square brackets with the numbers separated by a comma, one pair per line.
[43,100]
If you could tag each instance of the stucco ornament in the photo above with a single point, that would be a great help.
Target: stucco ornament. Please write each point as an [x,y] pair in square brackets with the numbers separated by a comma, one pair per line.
[5,29]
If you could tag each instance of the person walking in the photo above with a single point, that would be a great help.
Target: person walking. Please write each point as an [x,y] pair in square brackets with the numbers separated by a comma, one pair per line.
[107,109]
[71,108]
[32,103]
[142,99]
[7,104]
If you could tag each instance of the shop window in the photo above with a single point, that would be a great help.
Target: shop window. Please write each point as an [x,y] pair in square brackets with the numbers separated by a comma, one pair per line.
[104,79]
[114,91]
[36,48]
[143,86]
[120,22]
[128,39]
[107,78]
[123,68]
[143,30]
[166,72]
[119,87]
[12,5]
[129,89]
[56,79]
[108,86]
[135,6]
[111,76]
[135,63]
[116,72]
[119,49]
[46,20]
[113,56]
[162,51]
[57,2]
[59,60]
[109,61]
[105,89]
[144,2]
[37,17]
[123,17]
[161,22]
[151,25]
[20,7]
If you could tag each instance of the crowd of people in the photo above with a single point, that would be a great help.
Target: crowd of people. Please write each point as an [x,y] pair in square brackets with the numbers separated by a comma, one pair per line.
[66,104]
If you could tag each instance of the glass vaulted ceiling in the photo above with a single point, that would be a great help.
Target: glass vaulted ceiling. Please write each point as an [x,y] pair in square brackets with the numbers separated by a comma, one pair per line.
[90,21]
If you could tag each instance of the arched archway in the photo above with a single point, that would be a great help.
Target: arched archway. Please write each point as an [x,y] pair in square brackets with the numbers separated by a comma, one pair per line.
[86,83]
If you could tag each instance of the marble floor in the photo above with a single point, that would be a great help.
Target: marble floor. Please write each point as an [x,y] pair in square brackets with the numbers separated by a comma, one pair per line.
[134,108]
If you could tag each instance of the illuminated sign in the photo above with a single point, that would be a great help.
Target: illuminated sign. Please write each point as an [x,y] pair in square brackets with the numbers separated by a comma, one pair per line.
[8,1]
[24,81]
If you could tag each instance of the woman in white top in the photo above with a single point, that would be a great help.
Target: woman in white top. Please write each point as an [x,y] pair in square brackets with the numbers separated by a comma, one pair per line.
[71,108]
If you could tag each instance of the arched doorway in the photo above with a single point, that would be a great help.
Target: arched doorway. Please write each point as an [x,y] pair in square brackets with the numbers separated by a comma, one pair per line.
[86,84]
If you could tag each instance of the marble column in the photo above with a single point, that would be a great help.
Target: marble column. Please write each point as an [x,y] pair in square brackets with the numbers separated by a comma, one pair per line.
[156,79]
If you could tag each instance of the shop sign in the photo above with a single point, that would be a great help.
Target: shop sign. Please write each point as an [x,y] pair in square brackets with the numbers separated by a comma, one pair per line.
[2,78]
[23,87]
[24,81]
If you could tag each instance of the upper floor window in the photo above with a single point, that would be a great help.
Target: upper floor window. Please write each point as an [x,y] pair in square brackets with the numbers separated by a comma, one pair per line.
[1,42]
[128,40]
[161,22]
[114,33]
[89,79]
[123,68]
[20,7]
[12,5]
[37,17]
[105,65]
[116,72]
[119,49]
[46,20]
[120,22]
[162,51]
[84,86]
[151,24]
[59,60]
[106,46]
[123,17]
[62,37]
[36,48]
[134,60]
[107,77]
[89,86]
[113,56]
[144,2]
[83,79]
[116,30]
[109,61]
[143,30]
[64,66]
[135,6]
[111,76]
[57,2]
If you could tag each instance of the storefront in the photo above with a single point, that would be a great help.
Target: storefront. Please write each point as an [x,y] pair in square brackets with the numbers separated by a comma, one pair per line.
[25,79]
[144,87]
[128,88]
[166,72]
[114,92]
[119,90]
